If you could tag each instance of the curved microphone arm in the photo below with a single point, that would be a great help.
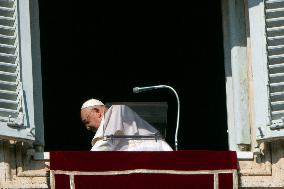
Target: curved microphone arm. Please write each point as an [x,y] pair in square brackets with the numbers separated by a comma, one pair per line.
[142,89]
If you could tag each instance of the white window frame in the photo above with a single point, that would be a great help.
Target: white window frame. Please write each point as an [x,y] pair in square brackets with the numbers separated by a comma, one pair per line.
[236,69]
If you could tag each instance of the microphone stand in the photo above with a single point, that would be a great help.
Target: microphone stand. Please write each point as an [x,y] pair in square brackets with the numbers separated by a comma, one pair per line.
[142,89]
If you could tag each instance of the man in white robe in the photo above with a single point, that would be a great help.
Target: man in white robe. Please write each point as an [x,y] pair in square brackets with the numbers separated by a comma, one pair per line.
[117,127]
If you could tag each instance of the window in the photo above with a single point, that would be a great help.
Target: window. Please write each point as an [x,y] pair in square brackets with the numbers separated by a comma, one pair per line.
[20,80]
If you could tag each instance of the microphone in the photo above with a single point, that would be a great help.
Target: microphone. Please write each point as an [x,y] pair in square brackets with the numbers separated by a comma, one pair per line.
[142,89]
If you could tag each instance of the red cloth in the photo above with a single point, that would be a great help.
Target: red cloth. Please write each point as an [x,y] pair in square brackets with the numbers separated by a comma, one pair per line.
[117,160]
[191,160]
[225,180]
[145,181]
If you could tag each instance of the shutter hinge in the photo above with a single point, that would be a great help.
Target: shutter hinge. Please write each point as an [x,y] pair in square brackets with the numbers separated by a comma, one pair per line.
[260,132]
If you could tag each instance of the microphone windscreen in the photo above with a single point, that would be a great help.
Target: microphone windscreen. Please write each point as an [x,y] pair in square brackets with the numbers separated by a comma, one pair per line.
[136,90]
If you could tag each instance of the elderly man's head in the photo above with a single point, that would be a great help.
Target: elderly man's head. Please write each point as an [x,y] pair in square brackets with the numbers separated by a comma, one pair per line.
[92,112]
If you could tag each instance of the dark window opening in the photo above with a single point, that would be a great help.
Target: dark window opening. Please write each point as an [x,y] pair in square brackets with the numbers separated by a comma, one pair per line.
[103,50]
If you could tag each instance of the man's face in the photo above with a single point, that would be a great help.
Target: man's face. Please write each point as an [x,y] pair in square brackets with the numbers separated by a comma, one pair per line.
[91,118]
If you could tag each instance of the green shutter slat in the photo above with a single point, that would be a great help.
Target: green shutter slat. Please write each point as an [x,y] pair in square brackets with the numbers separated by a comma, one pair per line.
[276,68]
[8,4]
[8,95]
[274,4]
[277,114]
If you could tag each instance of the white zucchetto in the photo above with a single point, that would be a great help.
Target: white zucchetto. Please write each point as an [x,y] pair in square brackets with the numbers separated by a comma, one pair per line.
[92,102]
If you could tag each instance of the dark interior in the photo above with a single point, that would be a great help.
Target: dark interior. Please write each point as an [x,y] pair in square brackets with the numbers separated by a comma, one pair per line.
[103,50]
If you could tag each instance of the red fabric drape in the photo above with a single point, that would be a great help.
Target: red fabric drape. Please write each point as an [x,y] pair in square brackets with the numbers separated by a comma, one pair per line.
[192,160]
[116,160]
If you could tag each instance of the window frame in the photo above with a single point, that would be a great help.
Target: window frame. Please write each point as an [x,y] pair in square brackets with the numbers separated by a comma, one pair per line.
[236,69]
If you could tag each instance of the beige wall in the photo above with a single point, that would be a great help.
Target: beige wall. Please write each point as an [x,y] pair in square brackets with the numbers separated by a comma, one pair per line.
[22,167]
[266,170]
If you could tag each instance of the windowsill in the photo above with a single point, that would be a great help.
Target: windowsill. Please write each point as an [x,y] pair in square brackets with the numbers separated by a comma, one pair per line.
[245,155]
[240,155]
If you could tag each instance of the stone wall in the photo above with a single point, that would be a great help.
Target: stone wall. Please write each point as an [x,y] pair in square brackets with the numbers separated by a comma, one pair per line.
[22,167]
[265,170]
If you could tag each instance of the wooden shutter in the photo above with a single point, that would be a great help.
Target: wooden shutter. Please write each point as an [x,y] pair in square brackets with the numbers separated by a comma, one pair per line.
[274,25]
[16,120]
[10,79]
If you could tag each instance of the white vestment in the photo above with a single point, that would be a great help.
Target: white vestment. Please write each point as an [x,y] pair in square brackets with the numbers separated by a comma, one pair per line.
[121,120]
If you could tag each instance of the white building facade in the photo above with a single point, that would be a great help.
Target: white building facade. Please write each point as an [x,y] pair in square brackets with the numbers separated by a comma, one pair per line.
[253,33]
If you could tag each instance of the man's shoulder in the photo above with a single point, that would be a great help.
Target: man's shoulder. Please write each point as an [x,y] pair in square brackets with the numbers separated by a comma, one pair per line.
[120,106]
